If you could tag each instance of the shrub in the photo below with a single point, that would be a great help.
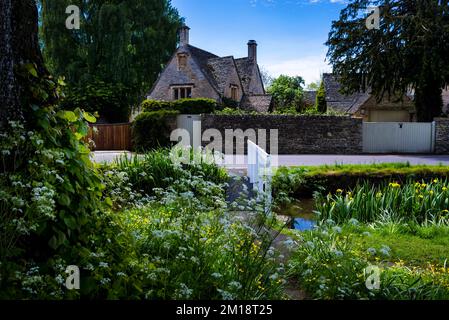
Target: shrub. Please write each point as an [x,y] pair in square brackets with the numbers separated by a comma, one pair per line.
[183,106]
[331,264]
[194,249]
[187,244]
[155,105]
[151,130]
[321,104]
[195,106]
[230,103]
[51,212]
[156,170]
[327,266]
[111,101]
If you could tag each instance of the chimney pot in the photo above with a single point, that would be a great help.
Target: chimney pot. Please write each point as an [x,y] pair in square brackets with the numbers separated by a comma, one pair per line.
[252,50]
[184,35]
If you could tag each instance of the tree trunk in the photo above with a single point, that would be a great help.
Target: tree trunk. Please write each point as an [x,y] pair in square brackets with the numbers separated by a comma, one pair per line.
[428,101]
[18,45]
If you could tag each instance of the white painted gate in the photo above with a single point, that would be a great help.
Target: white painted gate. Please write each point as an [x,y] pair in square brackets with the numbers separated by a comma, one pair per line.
[398,137]
[191,123]
[260,172]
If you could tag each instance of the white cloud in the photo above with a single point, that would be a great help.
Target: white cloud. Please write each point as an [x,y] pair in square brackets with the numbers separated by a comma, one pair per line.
[310,68]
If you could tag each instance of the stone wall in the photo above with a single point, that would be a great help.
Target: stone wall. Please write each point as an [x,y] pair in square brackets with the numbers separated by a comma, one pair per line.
[441,135]
[296,134]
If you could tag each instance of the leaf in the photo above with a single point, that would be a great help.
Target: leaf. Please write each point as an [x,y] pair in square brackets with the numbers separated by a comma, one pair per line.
[58,239]
[53,243]
[61,81]
[89,117]
[70,222]
[78,136]
[108,201]
[31,69]
[68,115]
[64,200]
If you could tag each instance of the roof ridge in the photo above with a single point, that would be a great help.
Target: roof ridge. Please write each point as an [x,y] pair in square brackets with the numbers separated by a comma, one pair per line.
[225,57]
[204,51]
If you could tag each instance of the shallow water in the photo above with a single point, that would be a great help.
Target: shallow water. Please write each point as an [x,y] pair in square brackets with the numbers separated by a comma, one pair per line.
[302,213]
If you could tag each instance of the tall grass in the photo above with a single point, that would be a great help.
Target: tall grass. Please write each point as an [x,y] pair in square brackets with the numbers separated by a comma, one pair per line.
[331,264]
[416,202]
[157,170]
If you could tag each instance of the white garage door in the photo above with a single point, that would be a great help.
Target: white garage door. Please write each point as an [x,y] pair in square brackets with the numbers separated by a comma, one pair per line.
[397,137]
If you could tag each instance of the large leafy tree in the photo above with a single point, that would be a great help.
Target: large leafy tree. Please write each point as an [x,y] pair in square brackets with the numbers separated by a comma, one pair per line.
[409,52]
[51,209]
[120,44]
[287,92]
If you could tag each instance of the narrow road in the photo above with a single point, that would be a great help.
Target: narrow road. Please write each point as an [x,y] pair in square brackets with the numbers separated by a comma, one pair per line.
[239,162]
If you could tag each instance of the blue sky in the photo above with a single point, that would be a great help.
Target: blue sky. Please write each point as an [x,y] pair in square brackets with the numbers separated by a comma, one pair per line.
[290,33]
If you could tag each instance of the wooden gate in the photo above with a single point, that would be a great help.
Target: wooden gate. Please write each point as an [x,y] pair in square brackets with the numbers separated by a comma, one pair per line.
[111,136]
[397,137]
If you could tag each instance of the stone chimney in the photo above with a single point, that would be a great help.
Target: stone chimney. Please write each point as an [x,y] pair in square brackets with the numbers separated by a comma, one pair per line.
[252,50]
[184,35]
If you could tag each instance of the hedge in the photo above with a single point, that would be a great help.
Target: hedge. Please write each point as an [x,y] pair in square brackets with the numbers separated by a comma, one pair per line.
[155,105]
[183,106]
[151,130]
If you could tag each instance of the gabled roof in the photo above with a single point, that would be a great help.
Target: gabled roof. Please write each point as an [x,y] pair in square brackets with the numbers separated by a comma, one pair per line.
[257,102]
[217,69]
[221,69]
[245,70]
[202,58]
[340,102]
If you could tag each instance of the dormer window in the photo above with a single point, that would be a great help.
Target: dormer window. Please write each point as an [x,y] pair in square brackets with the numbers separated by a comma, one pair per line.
[234,92]
[182,61]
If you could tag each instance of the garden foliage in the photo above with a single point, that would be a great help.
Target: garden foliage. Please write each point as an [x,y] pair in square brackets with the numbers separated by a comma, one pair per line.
[183,106]
[151,130]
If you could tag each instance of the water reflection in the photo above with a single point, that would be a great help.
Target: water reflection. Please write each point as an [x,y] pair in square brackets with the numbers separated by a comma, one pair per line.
[302,213]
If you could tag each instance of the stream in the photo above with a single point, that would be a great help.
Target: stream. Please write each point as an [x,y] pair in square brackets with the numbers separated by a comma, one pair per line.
[302,213]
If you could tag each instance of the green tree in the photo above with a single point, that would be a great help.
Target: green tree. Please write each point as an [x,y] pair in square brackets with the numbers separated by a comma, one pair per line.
[321,104]
[287,92]
[52,210]
[410,50]
[313,86]
[123,44]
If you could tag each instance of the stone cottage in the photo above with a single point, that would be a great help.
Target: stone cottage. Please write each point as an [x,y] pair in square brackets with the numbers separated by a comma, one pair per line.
[364,105]
[196,73]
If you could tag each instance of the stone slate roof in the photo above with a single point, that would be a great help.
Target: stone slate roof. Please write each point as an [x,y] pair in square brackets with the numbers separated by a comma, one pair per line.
[202,58]
[217,69]
[221,69]
[257,102]
[244,68]
[339,102]
[310,97]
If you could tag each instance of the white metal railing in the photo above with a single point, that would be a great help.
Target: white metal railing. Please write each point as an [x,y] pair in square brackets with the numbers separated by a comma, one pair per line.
[260,172]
